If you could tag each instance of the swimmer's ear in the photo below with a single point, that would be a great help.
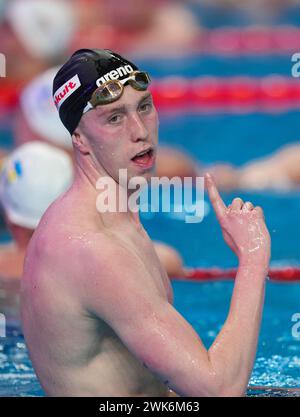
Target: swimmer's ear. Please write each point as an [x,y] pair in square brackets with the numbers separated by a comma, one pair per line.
[80,142]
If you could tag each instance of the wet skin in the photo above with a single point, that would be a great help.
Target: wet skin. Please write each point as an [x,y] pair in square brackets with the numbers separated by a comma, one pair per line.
[96,302]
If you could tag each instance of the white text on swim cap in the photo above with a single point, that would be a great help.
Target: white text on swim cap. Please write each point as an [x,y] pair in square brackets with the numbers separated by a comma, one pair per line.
[115,74]
[66,90]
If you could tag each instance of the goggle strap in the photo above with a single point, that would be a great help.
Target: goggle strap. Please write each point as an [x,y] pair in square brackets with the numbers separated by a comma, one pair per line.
[88,107]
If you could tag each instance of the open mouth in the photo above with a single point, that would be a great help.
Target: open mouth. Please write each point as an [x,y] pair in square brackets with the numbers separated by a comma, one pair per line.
[144,158]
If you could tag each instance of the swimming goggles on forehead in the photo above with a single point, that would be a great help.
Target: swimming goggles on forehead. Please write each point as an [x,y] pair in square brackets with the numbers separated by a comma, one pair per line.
[112,90]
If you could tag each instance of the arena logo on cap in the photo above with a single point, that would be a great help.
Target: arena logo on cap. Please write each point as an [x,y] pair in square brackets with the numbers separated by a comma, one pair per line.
[115,74]
[66,90]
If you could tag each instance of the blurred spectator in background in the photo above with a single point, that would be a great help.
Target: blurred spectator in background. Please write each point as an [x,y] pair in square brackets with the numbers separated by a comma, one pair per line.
[143,27]
[37,117]
[34,175]
[279,171]
[172,162]
[34,35]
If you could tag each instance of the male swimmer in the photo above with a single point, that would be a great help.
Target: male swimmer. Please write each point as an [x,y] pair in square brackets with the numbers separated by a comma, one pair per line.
[96,302]
[31,178]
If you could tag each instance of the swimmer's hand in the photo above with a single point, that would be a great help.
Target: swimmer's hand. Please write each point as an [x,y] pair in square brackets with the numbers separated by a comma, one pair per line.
[243,226]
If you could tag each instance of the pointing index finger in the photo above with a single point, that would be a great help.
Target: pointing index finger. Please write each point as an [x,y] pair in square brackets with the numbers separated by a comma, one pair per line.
[214,196]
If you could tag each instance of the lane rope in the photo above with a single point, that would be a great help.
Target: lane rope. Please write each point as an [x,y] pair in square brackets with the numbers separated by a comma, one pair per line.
[240,94]
[207,94]
[285,274]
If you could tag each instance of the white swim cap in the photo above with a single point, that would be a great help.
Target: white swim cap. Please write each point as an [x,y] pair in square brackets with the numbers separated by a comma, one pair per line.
[40,112]
[45,27]
[33,176]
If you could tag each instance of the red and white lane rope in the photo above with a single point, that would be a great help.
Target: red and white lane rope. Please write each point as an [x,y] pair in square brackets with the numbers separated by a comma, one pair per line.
[209,94]
[235,94]
[286,274]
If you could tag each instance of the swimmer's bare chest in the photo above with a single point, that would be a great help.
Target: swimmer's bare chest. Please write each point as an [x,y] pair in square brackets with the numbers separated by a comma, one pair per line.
[134,377]
[139,242]
[103,364]
[138,380]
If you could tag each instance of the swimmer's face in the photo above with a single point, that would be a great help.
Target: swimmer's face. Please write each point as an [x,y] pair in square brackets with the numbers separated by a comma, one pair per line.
[117,132]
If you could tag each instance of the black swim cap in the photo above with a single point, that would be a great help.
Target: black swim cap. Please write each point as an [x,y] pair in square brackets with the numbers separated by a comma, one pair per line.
[79,77]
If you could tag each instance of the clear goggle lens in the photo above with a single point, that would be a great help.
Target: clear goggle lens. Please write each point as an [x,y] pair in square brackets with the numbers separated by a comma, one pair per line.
[112,90]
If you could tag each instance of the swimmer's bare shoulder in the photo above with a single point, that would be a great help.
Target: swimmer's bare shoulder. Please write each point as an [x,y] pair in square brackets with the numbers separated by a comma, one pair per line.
[112,272]
[85,277]
[117,286]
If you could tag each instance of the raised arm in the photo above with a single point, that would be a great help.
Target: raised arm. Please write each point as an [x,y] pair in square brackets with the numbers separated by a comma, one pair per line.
[130,300]
[245,232]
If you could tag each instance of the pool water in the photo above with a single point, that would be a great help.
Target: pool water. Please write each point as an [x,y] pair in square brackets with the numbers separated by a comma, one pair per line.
[205,307]
[235,139]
